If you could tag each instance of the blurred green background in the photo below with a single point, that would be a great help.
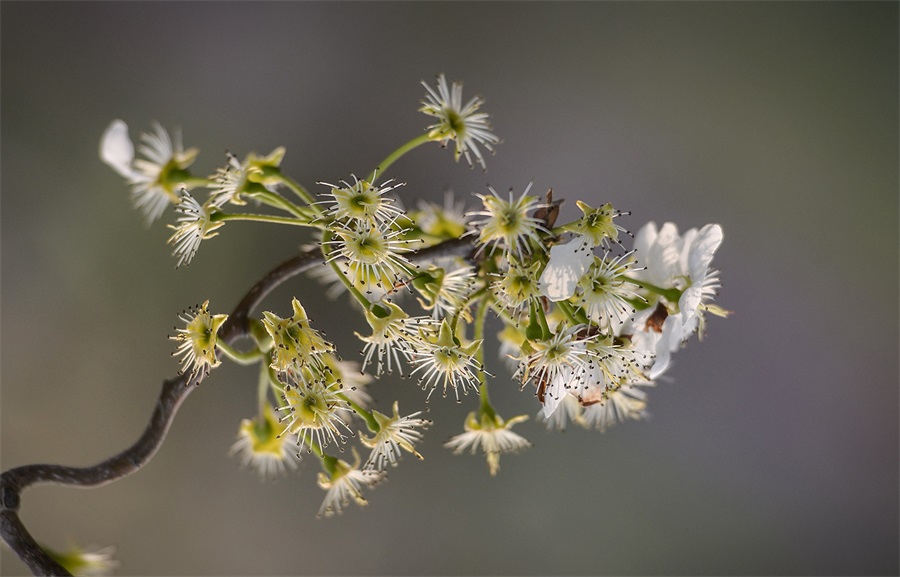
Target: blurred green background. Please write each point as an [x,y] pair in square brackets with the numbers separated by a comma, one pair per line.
[773,444]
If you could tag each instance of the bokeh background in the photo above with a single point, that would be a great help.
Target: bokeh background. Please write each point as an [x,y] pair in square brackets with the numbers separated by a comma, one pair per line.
[773,446]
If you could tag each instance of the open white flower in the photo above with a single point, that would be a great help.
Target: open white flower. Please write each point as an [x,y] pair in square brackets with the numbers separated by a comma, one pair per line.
[394,335]
[371,254]
[463,124]
[157,177]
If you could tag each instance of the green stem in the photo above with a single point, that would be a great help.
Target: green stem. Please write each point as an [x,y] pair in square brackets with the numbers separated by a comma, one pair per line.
[327,236]
[240,357]
[225,216]
[366,415]
[570,313]
[672,295]
[262,390]
[301,192]
[278,201]
[392,157]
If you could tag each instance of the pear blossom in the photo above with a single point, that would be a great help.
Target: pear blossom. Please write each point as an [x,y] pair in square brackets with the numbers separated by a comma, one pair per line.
[155,178]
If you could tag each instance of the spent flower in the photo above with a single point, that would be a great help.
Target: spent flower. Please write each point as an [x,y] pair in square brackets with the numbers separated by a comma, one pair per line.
[194,224]
[262,447]
[197,340]
[464,124]
[492,435]
[395,433]
[346,484]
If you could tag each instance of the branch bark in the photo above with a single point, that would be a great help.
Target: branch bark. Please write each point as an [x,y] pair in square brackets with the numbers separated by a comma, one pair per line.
[173,394]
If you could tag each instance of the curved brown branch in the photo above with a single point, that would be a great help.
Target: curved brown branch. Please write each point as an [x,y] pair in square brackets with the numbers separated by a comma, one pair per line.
[174,392]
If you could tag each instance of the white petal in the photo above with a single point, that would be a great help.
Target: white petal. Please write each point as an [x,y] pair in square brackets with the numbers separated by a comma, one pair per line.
[116,148]
[668,343]
[568,263]
[703,248]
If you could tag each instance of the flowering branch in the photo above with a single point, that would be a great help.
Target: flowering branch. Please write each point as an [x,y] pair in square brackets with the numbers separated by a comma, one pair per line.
[588,328]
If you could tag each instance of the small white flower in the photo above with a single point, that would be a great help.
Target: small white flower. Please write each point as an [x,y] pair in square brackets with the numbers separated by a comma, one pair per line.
[395,433]
[518,286]
[700,246]
[597,224]
[463,124]
[446,293]
[442,221]
[157,177]
[559,364]
[568,263]
[235,180]
[605,293]
[345,484]
[492,435]
[195,224]
[295,344]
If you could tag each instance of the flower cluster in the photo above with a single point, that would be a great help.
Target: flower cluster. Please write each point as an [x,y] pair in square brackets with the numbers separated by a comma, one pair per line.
[588,324]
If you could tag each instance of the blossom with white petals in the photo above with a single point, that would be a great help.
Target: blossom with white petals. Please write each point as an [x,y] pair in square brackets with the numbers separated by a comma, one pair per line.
[157,177]
[463,124]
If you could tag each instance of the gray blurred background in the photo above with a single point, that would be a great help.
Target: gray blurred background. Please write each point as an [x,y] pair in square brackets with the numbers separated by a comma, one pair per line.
[773,446]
